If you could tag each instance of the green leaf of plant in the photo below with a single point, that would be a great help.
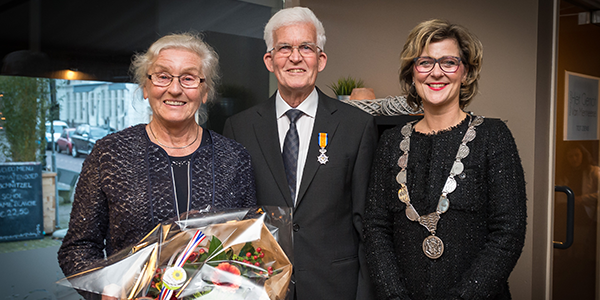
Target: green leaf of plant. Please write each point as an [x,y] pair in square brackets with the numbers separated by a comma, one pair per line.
[215,244]
[345,85]
[247,248]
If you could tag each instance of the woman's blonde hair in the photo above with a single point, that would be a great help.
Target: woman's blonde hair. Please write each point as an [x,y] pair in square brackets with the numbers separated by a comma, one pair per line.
[471,55]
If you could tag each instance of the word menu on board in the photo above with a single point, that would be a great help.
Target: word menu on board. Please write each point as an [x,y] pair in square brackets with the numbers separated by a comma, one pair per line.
[21,211]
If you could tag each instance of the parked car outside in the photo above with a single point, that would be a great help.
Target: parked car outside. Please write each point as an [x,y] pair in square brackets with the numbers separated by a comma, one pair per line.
[58,129]
[64,141]
[85,136]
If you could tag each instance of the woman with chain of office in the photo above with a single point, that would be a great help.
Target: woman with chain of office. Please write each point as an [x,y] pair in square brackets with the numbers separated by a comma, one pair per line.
[446,210]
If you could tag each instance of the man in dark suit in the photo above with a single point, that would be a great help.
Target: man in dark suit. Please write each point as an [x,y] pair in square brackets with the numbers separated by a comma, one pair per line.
[323,174]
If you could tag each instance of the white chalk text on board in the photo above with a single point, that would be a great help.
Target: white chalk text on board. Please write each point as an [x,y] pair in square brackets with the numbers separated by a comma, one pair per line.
[21,212]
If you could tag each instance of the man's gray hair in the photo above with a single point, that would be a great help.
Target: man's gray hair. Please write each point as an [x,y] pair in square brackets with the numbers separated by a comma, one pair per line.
[293,16]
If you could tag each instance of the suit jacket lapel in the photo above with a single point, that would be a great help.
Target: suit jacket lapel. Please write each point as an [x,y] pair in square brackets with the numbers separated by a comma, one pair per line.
[324,122]
[268,139]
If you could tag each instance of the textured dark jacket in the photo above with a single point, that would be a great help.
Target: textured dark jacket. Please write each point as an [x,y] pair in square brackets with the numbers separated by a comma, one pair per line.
[125,189]
[483,231]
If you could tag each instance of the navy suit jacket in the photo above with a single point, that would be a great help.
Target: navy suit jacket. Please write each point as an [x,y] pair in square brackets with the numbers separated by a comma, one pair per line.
[328,217]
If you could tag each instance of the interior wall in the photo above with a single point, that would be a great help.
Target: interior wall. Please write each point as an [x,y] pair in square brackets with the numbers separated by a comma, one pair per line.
[364,40]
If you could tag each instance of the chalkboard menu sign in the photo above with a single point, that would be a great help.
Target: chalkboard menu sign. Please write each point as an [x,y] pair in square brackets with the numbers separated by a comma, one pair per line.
[21,212]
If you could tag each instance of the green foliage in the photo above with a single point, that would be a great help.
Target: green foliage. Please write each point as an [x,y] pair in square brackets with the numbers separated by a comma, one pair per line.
[249,264]
[216,247]
[24,105]
[345,85]
[247,248]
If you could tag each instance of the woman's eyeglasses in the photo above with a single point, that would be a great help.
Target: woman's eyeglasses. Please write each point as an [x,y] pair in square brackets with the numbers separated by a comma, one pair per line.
[448,64]
[187,81]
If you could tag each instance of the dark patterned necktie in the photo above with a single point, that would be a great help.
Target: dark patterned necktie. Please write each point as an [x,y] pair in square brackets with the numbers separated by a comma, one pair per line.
[290,150]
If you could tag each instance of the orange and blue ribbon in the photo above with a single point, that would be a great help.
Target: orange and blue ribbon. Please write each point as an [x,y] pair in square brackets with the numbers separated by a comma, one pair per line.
[323,140]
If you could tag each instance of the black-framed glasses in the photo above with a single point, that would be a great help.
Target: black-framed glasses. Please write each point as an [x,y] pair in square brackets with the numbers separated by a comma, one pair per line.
[448,64]
[305,49]
[187,81]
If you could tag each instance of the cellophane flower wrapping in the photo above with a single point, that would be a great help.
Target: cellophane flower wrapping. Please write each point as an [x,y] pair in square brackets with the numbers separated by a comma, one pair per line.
[240,257]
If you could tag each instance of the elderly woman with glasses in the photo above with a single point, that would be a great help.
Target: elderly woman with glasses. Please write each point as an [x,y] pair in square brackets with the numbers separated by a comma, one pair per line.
[143,175]
[447,206]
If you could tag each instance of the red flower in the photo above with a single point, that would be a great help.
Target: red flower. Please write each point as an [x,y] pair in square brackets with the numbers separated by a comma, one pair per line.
[193,256]
[221,279]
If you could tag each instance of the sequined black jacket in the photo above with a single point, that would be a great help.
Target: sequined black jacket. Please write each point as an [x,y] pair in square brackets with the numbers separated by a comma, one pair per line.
[483,231]
[125,189]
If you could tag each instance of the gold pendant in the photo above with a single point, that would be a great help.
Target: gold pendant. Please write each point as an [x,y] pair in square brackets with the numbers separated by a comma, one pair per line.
[433,247]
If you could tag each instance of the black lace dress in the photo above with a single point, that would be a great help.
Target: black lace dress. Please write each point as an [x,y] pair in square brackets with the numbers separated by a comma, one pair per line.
[126,188]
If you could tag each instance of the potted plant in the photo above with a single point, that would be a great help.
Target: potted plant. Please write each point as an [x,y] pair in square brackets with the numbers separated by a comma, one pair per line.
[344,86]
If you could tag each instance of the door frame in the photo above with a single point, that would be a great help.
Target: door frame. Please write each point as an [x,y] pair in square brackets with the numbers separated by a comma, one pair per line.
[545,128]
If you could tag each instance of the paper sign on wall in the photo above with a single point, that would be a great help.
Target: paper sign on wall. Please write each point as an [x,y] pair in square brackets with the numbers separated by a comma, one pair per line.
[581,107]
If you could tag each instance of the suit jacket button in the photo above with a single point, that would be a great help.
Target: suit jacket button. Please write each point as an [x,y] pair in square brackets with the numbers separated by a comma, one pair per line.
[296,227]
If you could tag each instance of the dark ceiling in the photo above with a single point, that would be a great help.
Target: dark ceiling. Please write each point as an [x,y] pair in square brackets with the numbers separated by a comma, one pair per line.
[100,36]
[577,6]
[588,5]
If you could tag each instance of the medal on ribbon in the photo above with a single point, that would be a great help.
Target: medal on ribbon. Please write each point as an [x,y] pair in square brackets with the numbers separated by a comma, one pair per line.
[175,276]
[323,140]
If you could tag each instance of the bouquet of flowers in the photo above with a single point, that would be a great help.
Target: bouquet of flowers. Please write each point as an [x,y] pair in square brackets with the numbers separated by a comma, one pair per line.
[217,255]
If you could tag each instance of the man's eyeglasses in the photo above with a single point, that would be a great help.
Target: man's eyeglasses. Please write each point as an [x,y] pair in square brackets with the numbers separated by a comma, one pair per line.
[187,81]
[448,64]
[305,49]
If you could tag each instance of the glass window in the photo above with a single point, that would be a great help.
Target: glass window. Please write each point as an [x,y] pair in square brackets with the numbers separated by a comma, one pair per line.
[62,39]
[72,46]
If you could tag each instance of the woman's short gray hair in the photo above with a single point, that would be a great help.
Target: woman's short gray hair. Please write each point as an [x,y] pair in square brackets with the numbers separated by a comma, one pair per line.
[189,41]
[293,16]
